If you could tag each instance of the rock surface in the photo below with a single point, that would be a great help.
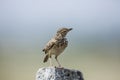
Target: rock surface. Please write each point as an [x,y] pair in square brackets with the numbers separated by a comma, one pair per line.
[52,73]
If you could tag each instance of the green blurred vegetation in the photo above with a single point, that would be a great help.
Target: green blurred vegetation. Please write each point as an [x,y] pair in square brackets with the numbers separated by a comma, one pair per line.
[19,62]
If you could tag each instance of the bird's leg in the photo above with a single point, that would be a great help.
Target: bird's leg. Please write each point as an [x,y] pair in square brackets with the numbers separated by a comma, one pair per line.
[58,61]
[51,61]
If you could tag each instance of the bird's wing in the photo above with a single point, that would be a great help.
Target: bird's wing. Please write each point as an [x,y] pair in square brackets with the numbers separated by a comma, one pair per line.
[49,45]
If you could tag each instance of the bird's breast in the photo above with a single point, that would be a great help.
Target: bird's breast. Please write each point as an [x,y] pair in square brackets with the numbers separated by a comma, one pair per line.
[59,47]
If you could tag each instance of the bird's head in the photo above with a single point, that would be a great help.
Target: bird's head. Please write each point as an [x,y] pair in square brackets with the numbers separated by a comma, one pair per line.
[63,31]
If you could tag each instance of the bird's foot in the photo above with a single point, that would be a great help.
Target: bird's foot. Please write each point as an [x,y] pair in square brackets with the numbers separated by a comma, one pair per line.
[60,67]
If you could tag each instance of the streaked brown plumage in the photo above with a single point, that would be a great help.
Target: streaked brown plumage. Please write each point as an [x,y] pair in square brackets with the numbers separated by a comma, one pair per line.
[56,45]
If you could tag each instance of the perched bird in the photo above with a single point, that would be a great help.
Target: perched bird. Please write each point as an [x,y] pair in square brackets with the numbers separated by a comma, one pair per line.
[56,45]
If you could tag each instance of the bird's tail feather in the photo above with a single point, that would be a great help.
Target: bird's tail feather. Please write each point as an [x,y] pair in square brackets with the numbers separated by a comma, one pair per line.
[46,58]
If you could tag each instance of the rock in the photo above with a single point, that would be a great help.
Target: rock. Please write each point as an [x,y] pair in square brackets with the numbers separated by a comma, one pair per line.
[52,73]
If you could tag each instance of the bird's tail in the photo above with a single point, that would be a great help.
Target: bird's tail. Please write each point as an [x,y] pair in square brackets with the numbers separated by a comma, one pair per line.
[46,58]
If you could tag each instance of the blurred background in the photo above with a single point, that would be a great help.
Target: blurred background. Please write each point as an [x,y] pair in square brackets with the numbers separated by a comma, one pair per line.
[94,43]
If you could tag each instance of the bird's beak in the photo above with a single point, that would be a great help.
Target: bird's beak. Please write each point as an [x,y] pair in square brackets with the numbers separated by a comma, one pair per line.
[70,29]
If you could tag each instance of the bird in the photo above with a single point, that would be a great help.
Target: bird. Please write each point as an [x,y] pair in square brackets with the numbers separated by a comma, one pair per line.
[56,45]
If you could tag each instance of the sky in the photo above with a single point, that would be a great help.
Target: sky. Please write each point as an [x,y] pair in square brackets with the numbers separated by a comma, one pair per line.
[94,42]
[94,15]
[24,21]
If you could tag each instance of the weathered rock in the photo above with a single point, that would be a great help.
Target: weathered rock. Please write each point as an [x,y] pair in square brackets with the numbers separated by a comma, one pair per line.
[51,73]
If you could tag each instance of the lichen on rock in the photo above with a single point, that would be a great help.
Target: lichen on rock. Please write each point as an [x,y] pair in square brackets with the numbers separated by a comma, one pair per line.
[52,73]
